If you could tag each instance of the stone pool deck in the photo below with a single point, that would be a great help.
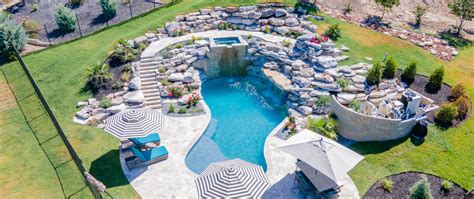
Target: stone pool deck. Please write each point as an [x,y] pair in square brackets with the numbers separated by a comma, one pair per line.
[171,178]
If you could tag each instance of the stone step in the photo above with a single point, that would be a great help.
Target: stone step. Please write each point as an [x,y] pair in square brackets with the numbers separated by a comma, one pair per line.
[136,106]
[142,64]
[157,91]
[148,68]
[149,86]
[148,79]
[155,107]
[147,59]
[153,98]
[149,103]
[146,71]
[148,83]
[148,75]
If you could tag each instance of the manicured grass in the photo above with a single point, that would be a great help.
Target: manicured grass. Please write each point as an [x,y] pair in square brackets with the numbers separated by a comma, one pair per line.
[446,153]
[60,73]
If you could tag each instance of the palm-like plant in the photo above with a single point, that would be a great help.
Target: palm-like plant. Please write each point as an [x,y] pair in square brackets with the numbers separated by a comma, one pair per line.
[97,74]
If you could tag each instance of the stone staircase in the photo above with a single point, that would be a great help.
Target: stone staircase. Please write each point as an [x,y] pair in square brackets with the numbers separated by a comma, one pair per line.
[149,82]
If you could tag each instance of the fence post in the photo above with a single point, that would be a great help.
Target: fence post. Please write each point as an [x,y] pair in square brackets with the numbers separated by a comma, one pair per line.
[47,34]
[154,4]
[78,25]
[130,8]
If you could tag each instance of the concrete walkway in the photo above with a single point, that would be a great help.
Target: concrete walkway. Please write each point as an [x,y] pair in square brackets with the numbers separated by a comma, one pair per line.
[159,45]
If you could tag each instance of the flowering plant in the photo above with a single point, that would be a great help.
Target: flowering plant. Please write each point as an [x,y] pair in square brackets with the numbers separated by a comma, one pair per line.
[193,99]
[317,39]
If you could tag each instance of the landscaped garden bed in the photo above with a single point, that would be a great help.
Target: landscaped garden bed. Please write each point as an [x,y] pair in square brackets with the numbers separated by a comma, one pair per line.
[402,183]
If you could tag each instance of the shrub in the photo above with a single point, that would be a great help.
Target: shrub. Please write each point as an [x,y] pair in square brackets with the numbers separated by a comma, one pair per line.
[387,4]
[182,110]
[166,53]
[249,36]
[34,7]
[105,103]
[189,42]
[446,185]
[223,26]
[334,32]
[375,74]
[164,82]
[355,104]
[10,31]
[234,27]
[409,73]
[125,76]
[347,8]
[463,105]
[109,8]
[179,45]
[65,19]
[286,43]
[267,29]
[457,91]
[76,2]
[162,69]
[343,83]
[387,185]
[97,74]
[171,108]
[31,27]
[390,68]
[193,100]
[421,190]
[456,41]
[324,126]
[436,80]
[122,53]
[419,12]
[175,92]
[311,10]
[446,114]
[324,100]
[117,85]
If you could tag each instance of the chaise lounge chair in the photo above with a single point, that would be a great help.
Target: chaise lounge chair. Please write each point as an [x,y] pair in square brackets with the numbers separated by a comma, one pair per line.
[143,158]
[154,137]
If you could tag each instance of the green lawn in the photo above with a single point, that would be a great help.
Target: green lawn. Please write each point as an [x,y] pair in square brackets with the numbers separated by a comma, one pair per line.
[60,73]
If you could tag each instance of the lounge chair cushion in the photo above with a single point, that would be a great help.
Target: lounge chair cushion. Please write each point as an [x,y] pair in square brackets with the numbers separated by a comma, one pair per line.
[154,137]
[150,154]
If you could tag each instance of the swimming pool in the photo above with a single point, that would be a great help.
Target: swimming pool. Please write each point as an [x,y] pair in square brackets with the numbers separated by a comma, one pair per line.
[227,40]
[244,111]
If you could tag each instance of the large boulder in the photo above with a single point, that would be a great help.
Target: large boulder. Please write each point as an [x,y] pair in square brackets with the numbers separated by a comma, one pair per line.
[292,21]
[234,20]
[345,98]
[305,110]
[280,12]
[135,97]
[134,84]
[267,13]
[247,8]
[327,62]
[116,109]
[276,22]
[176,77]
[188,77]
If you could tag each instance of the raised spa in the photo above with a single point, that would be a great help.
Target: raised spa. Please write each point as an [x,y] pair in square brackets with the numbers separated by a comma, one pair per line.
[227,40]
[244,111]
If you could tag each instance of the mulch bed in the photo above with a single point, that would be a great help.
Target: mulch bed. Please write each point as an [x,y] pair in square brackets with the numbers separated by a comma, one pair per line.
[88,14]
[402,183]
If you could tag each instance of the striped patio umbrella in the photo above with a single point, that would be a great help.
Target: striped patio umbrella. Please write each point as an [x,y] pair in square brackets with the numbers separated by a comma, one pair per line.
[134,123]
[232,179]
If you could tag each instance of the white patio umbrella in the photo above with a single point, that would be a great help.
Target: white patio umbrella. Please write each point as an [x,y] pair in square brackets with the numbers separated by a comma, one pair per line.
[134,123]
[323,154]
[232,179]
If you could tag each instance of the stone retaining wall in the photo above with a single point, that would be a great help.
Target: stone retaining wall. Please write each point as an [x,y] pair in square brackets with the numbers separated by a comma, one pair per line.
[361,127]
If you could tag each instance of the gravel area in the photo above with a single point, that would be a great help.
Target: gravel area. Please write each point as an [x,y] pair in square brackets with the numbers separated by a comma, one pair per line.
[88,14]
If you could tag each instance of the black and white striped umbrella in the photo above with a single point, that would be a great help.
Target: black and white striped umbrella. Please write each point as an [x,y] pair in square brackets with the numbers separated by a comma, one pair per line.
[134,123]
[232,179]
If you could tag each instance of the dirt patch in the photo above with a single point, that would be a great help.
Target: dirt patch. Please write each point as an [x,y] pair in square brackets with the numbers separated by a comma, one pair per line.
[402,183]
[6,97]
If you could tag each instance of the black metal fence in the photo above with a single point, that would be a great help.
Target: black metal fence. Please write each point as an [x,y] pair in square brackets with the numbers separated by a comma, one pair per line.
[71,183]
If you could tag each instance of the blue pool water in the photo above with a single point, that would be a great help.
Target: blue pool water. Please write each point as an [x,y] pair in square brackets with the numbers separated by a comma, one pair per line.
[244,111]
[227,40]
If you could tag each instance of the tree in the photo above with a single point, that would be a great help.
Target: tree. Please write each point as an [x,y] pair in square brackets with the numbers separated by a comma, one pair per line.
[464,9]
[419,13]
[375,74]
[409,73]
[97,74]
[421,190]
[436,80]
[387,4]
[65,19]
[390,68]
[11,35]
[109,8]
